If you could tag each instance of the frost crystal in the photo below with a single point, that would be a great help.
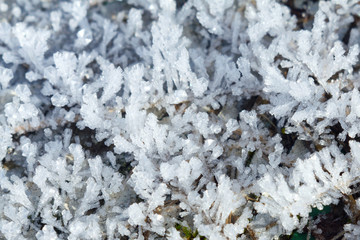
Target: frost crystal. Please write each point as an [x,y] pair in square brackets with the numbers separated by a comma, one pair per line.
[164,119]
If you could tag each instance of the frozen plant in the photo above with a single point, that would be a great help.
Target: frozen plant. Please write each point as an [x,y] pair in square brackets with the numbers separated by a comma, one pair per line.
[164,119]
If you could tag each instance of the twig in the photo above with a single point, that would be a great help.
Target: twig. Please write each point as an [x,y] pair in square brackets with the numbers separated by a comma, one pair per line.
[338,235]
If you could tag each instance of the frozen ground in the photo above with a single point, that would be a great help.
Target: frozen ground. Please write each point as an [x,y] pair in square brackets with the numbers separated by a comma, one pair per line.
[163,119]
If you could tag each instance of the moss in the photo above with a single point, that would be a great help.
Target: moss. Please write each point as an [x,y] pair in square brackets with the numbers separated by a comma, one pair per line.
[249,158]
[187,233]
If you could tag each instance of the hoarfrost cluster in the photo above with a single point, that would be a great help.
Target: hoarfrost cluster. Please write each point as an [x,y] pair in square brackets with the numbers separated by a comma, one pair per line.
[138,119]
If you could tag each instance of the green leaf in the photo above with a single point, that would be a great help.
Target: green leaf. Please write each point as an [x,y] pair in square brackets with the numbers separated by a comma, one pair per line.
[300,236]
[315,211]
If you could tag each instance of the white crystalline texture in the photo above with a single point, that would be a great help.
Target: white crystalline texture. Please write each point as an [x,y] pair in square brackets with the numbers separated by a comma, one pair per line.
[5,76]
[306,190]
[5,141]
[17,113]
[174,234]
[112,78]
[32,76]
[201,122]
[199,86]
[47,233]
[32,43]
[55,18]
[59,100]
[27,110]
[91,111]
[155,119]
[23,92]
[136,215]
[85,227]
[84,37]
[122,145]
[352,231]
[65,63]
[95,168]
[78,155]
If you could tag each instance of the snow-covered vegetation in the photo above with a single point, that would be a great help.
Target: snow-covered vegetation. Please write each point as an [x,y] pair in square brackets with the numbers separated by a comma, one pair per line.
[140,119]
